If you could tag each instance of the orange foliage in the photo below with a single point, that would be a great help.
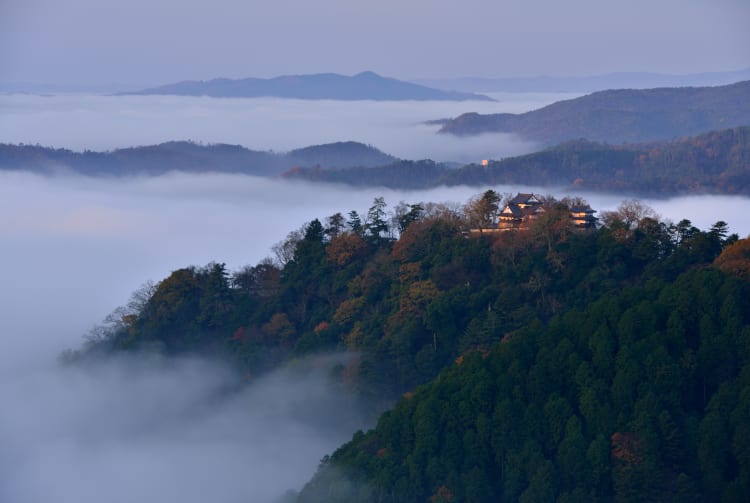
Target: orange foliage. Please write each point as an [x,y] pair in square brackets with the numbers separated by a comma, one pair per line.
[735,259]
[344,248]
[321,327]
[348,310]
[239,334]
[626,447]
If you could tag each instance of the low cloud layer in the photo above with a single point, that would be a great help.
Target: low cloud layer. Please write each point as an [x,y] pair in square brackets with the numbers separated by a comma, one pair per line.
[82,122]
[152,430]
[74,248]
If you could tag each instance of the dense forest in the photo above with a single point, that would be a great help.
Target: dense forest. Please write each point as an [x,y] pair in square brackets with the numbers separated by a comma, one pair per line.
[537,364]
[717,162]
[620,116]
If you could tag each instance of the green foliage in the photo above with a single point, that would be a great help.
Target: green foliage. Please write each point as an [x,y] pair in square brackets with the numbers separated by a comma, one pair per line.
[548,363]
[532,419]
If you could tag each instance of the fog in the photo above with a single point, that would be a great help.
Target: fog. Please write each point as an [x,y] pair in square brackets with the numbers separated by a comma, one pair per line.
[80,122]
[165,431]
[72,249]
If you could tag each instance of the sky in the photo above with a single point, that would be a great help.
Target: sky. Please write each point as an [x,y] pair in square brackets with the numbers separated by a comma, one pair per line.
[149,42]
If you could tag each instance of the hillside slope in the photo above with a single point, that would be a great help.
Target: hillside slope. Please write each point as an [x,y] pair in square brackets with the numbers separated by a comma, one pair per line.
[620,116]
[642,396]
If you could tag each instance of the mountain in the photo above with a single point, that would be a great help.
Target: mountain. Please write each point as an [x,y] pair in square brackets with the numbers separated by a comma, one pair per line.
[620,116]
[717,162]
[586,84]
[637,397]
[544,364]
[321,86]
[187,157]
[339,154]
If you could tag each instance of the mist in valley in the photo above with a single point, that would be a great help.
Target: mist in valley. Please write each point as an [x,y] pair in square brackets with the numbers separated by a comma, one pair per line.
[81,122]
[74,248]
[142,428]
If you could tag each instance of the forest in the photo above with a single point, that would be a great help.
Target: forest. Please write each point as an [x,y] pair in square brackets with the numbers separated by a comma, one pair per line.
[711,163]
[536,364]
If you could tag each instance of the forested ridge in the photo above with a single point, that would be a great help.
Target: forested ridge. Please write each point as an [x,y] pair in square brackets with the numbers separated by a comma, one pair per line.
[717,162]
[539,364]
[187,157]
[620,115]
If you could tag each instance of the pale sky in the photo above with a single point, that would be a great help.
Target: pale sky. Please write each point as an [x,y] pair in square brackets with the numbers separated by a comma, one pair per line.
[158,41]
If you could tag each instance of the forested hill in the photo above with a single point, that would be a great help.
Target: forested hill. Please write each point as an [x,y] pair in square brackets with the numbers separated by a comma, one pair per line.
[620,116]
[717,162]
[331,86]
[612,363]
[187,157]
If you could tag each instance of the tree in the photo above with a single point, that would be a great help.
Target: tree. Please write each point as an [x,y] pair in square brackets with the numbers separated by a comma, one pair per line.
[406,214]
[735,259]
[376,223]
[345,247]
[261,280]
[355,222]
[284,250]
[630,213]
[334,225]
[314,231]
[481,211]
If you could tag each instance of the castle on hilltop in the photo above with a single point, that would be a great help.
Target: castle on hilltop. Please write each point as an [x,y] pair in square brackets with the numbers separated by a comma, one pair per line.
[521,211]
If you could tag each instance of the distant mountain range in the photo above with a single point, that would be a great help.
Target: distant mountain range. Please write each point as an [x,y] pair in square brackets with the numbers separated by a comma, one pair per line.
[717,162]
[331,86]
[585,84]
[187,157]
[620,116]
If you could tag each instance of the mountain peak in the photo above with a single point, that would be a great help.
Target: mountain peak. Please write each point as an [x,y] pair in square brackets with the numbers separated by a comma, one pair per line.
[366,85]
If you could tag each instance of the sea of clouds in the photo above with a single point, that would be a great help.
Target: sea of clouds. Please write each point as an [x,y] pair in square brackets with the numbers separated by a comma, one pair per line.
[81,122]
[72,249]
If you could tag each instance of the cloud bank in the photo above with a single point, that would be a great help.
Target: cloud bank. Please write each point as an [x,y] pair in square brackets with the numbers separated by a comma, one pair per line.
[74,248]
[145,429]
[82,122]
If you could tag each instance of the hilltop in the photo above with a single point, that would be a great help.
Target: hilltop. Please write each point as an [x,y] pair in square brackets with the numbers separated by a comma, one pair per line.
[533,365]
[320,86]
[620,116]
